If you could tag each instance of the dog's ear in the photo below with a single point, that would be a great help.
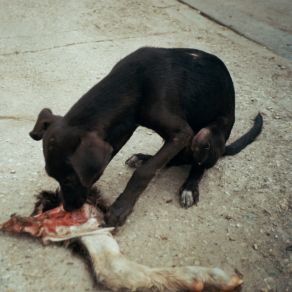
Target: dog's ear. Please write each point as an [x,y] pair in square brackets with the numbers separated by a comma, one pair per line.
[44,120]
[90,158]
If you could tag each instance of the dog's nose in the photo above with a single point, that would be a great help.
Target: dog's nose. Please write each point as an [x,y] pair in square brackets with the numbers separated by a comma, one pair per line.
[35,136]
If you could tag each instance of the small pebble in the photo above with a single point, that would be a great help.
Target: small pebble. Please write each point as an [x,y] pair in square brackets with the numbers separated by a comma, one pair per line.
[228,217]
[12,171]
[281,66]
[163,237]
[255,246]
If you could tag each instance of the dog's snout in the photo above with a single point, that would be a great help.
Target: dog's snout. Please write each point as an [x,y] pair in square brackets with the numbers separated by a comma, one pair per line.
[73,201]
[73,195]
[69,181]
[35,136]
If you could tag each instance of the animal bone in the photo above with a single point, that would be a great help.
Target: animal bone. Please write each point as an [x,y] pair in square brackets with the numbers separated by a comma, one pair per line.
[111,267]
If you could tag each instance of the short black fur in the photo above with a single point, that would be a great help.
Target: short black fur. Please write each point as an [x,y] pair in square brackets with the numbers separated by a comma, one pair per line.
[47,200]
[175,92]
[247,138]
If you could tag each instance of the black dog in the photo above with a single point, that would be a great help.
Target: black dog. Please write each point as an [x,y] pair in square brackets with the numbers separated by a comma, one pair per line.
[175,92]
[207,146]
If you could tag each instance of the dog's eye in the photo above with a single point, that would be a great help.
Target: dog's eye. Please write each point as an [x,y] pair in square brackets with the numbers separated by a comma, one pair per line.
[46,125]
[206,146]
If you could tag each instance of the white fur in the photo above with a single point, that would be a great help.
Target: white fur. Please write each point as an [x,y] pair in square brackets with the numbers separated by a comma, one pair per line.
[186,198]
[117,272]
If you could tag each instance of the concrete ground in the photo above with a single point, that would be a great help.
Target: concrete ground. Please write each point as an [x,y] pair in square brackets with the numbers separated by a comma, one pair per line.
[267,22]
[51,52]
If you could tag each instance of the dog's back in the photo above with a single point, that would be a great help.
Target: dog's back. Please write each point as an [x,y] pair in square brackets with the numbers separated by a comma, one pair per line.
[193,81]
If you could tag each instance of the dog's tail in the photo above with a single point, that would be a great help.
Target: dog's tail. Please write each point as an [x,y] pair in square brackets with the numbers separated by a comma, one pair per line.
[247,138]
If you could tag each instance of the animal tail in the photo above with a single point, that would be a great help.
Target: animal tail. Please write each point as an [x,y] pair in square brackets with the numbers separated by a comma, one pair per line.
[247,138]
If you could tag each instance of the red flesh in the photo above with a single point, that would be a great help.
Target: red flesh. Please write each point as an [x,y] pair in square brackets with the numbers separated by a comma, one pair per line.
[45,223]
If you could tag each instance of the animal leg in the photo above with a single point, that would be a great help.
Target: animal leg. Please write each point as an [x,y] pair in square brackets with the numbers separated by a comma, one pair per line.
[117,272]
[189,192]
[137,160]
[123,206]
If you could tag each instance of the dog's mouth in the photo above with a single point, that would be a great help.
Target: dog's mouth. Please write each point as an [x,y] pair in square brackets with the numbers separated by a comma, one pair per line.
[51,222]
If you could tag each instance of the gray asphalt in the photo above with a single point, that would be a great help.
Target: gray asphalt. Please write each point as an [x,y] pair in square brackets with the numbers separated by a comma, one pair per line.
[268,22]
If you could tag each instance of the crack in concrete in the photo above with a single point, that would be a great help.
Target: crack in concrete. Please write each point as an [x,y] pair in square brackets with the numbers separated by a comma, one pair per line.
[245,32]
[17,118]
[51,48]
[165,7]
[79,43]
[36,35]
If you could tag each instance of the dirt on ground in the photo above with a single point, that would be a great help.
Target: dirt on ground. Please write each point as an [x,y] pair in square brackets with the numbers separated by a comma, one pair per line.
[51,52]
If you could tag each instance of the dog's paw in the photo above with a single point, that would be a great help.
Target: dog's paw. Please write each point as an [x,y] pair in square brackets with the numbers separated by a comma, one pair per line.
[116,216]
[137,160]
[188,198]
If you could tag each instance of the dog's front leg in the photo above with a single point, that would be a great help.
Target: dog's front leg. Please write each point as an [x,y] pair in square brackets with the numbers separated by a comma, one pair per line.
[124,204]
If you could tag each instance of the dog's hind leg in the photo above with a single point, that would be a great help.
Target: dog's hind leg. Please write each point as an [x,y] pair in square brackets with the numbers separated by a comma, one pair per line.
[137,160]
[189,192]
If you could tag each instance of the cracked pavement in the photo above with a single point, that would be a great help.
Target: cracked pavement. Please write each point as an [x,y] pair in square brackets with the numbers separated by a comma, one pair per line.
[51,52]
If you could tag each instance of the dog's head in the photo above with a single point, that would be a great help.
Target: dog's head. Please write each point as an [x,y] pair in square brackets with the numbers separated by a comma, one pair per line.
[76,158]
